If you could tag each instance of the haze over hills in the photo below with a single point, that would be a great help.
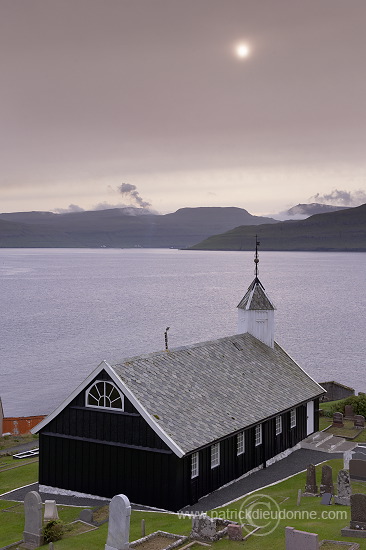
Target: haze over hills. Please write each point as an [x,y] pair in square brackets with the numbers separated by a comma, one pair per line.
[343,230]
[119,228]
[312,208]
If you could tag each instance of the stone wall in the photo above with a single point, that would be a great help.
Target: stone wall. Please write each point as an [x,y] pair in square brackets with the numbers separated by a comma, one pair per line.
[336,391]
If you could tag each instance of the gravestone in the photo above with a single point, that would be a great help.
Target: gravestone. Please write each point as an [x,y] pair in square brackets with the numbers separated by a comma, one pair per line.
[311,486]
[50,510]
[348,411]
[86,515]
[338,420]
[326,499]
[203,527]
[359,421]
[327,480]
[300,540]
[357,526]
[234,532]
[357,469]
[347,456]
[343,489]
[32,534]
[358,511]
[119,523]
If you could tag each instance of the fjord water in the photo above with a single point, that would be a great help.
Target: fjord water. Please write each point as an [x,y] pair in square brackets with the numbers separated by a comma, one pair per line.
[63,311]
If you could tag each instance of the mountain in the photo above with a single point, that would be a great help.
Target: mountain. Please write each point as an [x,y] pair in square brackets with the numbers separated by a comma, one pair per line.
[343,230]
[118,228]
[312,208]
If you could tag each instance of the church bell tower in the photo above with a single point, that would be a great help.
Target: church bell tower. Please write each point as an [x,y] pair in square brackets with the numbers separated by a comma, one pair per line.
[256,311]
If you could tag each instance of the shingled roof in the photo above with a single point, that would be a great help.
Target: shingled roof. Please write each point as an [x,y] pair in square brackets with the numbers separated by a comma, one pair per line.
[203,392]
[256,297]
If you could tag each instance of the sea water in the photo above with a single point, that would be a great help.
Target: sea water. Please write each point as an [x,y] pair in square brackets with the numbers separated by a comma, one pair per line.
[65,310]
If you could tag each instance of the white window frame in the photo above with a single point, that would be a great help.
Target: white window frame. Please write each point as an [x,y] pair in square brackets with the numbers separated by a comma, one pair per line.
[240,443]
[292,418]
[103,396]
[215,455]
[278,425]
[195,464]
[258,435]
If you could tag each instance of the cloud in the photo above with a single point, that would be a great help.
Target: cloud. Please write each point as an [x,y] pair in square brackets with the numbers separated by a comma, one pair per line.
[341,198]
[71,208]
[130,191]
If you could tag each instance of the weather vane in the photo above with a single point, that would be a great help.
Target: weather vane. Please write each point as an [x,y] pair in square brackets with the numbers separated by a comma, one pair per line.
[256,259]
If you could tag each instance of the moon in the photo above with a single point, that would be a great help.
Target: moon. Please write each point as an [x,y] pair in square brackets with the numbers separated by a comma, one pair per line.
[242,50]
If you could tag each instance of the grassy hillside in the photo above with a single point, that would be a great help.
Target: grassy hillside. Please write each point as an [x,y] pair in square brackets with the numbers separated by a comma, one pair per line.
[344,230]
[115,228]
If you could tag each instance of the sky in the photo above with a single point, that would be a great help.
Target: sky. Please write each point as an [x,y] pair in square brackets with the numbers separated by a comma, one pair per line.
[151,94]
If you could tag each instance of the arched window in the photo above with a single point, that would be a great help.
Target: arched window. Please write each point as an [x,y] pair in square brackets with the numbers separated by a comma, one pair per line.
[104,395]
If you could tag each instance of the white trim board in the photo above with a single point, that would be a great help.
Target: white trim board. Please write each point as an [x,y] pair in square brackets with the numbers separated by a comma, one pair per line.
[127,393]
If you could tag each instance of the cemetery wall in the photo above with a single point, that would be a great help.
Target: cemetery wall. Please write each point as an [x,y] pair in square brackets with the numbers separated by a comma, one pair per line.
[336,391]
[20,425]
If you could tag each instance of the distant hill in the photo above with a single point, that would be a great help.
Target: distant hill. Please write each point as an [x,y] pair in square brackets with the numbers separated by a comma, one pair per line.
[311,209]
[344,230]
[118,228]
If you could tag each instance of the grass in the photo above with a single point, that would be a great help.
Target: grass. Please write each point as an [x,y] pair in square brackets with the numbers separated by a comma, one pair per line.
[12,525]
[285,495]
[328,406]
[347,431]
[7,441]
[14,474]
[309,516]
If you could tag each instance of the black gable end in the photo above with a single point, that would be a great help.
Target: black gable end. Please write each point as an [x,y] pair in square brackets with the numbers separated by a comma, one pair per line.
[125,427]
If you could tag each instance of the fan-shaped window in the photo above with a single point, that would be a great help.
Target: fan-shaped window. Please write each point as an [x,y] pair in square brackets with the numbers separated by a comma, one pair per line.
[104,395]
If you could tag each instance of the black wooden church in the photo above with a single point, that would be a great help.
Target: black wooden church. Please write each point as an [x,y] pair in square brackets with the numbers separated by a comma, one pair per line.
[170,427]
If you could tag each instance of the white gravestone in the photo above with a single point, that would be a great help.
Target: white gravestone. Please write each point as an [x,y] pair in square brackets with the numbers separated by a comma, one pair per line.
[32,534]
[119,523]
[347,456]
[50,510]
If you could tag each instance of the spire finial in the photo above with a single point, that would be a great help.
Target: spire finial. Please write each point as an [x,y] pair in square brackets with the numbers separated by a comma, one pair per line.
[256,259]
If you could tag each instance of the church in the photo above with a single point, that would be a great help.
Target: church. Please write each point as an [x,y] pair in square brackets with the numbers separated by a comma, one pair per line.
[169,427]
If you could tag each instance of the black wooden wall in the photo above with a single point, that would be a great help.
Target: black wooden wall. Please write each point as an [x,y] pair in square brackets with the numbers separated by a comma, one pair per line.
[232,465]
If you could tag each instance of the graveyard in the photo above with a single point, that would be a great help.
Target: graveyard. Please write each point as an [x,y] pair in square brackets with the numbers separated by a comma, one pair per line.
[349,425]
[301,512]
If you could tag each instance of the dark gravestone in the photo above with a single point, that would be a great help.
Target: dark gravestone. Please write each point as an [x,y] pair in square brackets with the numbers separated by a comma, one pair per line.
[311,486]
[348,411]
[357,469]
[327,480]
[234,532]
[86,515]
[338,420]
[359,421]
[357,525]
[358,512]
[326,499]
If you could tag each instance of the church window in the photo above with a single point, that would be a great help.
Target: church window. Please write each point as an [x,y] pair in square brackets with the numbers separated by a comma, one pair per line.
[258,435]
[215,455]
[104,395]
[278,425]
[292,418]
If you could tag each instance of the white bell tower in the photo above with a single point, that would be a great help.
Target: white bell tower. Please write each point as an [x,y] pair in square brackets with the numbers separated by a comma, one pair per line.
[256,311]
